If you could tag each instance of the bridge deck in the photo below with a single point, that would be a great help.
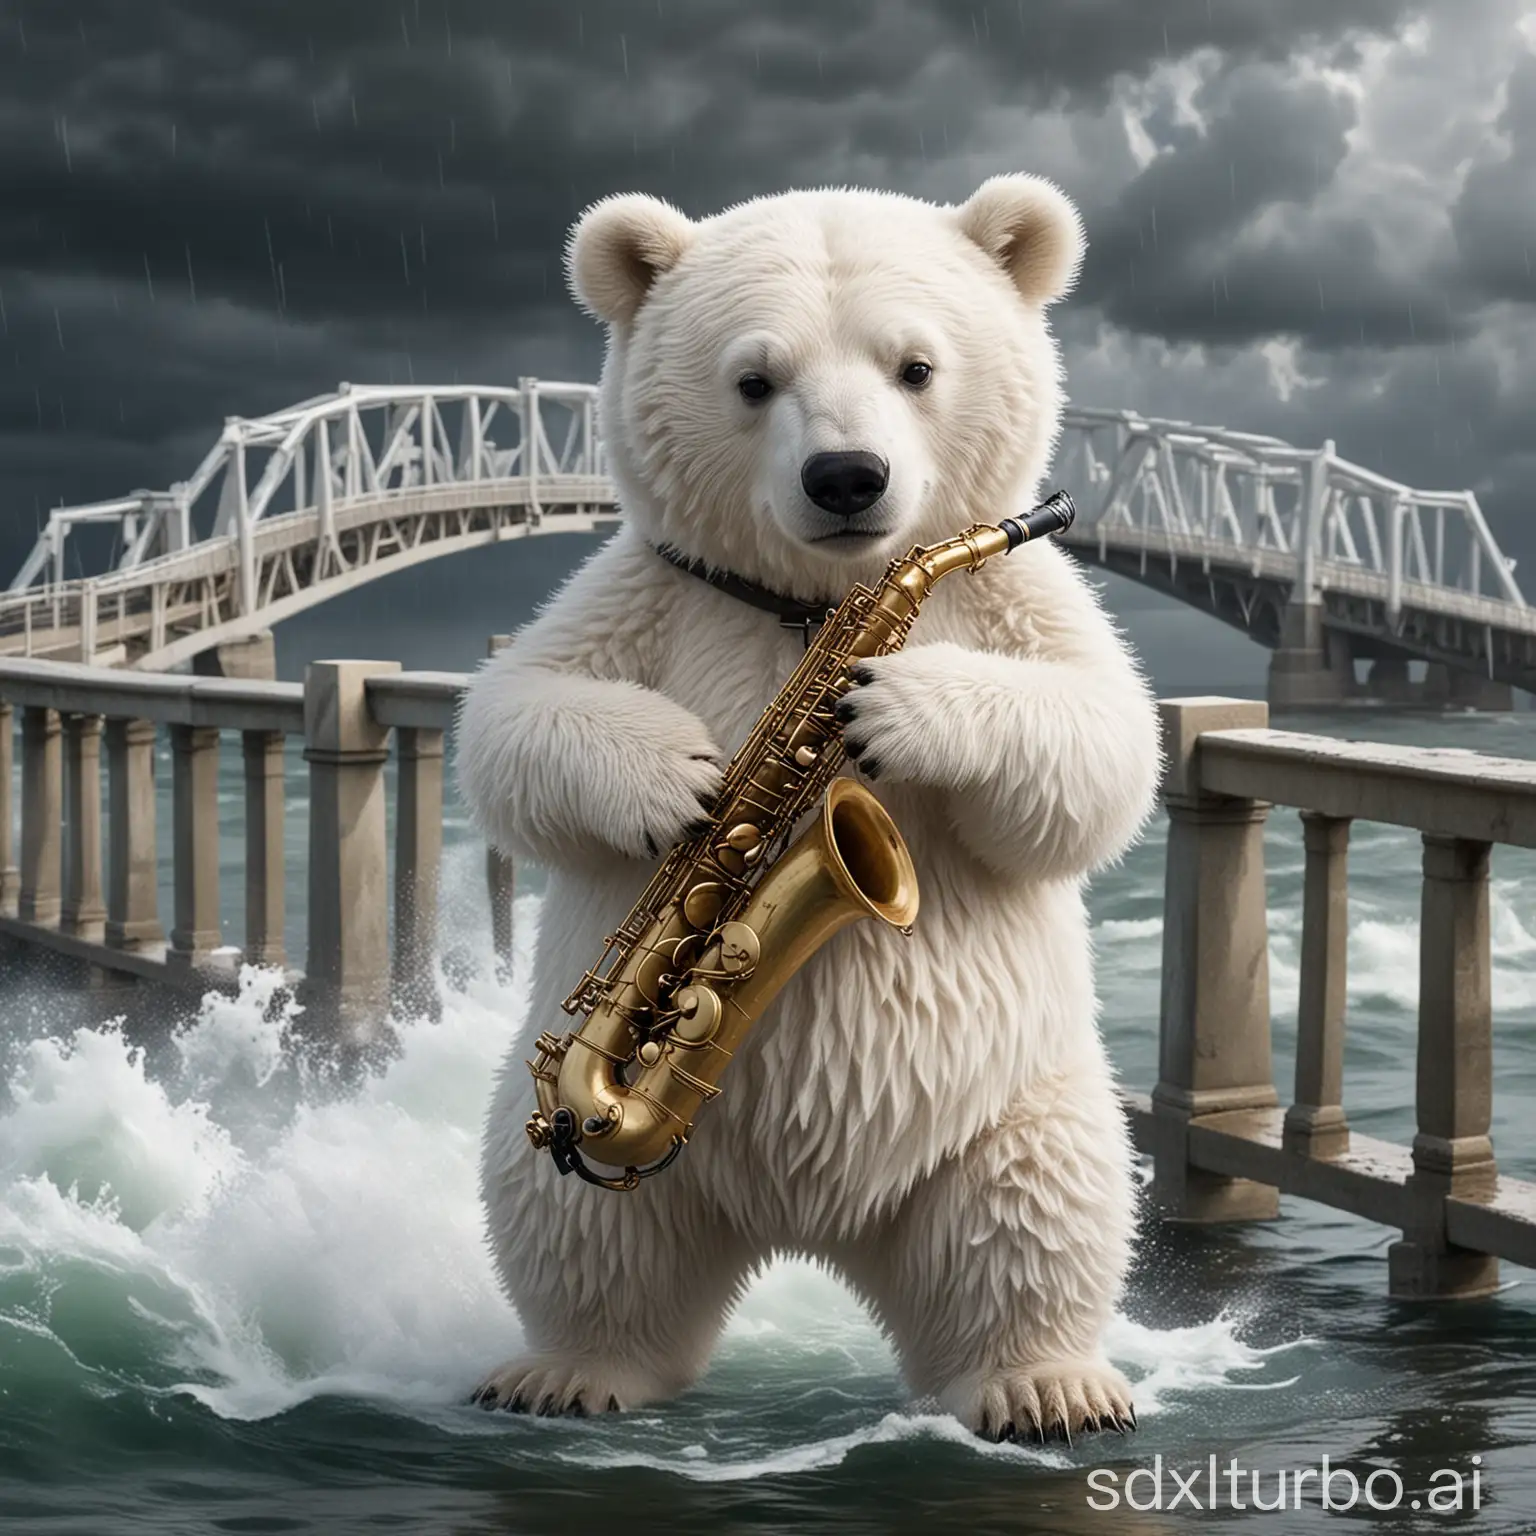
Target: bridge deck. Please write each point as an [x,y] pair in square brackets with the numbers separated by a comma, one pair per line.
[292,509]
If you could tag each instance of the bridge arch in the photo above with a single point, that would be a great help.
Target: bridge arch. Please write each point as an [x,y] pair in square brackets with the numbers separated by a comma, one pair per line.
[290,510]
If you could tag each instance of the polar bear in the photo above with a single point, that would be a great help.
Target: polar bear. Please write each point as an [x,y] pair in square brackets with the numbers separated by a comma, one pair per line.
[796,390]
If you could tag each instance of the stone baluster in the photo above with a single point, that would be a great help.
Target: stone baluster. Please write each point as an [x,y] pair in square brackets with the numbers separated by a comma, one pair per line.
[10,874]
[133,897]
[262,752]
[83,913]
[1214,1042]
[1315,1125]
[42,811]
[418,861]
[501,884]
[500,877]
[348,965]
[195,821]
[1452,1152]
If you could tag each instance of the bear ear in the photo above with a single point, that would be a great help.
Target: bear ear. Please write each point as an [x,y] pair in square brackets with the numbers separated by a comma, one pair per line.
[619,247]
[1031,228]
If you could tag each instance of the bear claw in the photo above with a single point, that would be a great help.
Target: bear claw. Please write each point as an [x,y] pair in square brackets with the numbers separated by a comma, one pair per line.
[545,1390]
[1054,1402]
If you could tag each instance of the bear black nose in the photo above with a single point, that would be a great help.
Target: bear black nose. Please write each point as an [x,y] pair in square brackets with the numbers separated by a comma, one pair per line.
[845,483]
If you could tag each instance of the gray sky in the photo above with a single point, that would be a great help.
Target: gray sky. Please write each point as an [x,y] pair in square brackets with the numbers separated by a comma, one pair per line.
[1313,218]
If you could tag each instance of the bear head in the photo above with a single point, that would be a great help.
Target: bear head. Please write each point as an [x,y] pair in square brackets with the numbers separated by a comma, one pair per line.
[803,386]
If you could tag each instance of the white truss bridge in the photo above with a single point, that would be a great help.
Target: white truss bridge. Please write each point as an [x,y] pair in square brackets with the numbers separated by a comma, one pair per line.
[290,510]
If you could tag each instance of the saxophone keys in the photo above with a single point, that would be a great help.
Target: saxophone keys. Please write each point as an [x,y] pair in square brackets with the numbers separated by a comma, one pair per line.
[699,1013]
[806,756]
[649,1054]
[743,836]
[751,855]
[702,904]
[650,975]
[739,949]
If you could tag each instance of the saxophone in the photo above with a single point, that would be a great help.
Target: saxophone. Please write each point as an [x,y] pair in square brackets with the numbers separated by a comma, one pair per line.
[733,912]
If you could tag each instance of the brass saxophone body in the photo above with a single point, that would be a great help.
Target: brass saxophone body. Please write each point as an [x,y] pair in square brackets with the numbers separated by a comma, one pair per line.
[733,913]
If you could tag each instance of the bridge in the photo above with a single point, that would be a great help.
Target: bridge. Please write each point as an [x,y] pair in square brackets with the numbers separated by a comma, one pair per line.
[1324,562]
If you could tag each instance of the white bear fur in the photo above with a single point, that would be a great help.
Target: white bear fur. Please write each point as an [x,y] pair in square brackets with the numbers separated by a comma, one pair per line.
[934,1117]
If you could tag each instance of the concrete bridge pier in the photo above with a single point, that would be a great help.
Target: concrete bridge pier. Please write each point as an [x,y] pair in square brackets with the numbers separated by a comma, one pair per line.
[348,975]
[1312,667]
[1452,688]
[253,659]
[1389,681]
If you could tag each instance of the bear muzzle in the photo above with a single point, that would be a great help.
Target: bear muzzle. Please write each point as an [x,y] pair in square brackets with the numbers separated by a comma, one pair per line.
[845,484]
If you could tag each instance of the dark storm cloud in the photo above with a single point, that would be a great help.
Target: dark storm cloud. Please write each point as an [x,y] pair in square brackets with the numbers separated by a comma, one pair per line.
[1176,254]
[1495,218]
[353,159]
[219,206]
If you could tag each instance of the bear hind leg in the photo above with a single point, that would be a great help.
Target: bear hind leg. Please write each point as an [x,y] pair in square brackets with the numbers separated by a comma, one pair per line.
[997,1277]
[621,1302]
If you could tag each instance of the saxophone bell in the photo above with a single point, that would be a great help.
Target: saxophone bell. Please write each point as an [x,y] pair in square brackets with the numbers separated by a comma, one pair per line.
[850,864]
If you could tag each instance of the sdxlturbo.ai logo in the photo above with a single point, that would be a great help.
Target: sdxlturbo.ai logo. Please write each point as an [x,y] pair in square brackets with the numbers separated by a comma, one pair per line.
[1162,1488]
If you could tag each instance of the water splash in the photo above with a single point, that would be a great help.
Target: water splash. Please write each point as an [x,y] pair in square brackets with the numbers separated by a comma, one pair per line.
[273,1237]
[220,1223]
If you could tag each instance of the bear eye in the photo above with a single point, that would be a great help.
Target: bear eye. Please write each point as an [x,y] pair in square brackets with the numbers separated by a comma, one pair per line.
[916,374]
[754,386]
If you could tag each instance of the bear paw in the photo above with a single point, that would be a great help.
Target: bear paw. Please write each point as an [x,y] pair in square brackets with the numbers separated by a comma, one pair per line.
[546,1385]
[663,797]
[898,723]
[1054,1400]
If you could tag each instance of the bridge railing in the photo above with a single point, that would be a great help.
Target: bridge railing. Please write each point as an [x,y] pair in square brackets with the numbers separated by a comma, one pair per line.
[161,611]
[91,891]
[1153,479]
[359,443]
[1222,1144]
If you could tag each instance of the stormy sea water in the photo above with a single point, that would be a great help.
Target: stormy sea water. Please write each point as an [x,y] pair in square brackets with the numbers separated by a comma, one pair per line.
[240,1295]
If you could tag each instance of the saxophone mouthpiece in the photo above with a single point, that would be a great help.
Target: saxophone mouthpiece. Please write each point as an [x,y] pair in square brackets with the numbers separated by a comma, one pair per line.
[1053,515]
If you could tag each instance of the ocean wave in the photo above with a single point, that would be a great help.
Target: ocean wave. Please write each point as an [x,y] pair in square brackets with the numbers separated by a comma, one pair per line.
[253,1236]
[695,1461]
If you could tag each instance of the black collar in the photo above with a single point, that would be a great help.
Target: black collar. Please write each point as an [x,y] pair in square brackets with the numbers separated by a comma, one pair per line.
[793,612]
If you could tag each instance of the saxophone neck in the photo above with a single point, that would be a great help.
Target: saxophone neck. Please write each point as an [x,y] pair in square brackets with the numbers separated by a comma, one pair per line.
[967,551]
[915,574]
[970,550]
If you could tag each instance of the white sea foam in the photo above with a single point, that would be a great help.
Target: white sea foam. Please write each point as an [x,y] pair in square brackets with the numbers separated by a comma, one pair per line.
[84,1113]
[813,1455]
[247,1033]
[1166,1363]
[342,1253]
[1119,930]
